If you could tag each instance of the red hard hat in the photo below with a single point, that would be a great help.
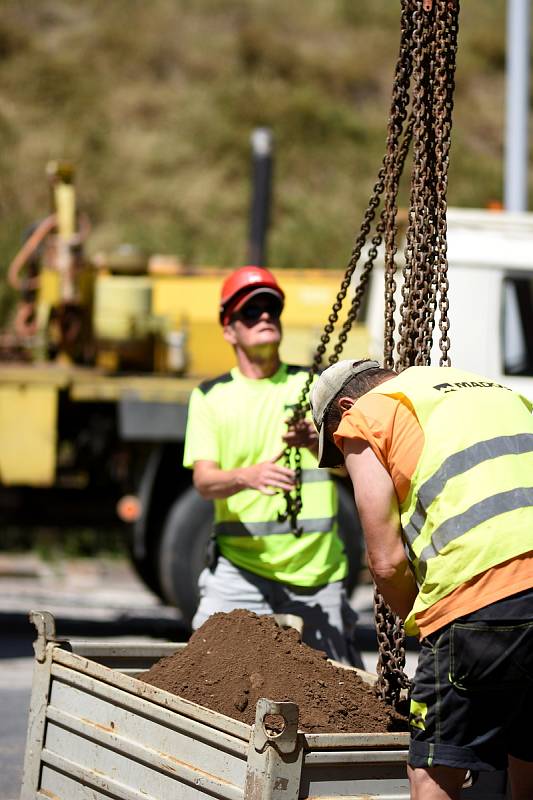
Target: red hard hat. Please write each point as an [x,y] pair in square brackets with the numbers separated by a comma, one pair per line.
[243,284]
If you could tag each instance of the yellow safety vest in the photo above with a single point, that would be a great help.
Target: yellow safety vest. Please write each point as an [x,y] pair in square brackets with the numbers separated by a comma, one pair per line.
[470,504]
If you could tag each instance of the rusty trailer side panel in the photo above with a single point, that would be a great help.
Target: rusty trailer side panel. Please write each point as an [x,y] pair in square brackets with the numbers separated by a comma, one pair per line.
[96,732]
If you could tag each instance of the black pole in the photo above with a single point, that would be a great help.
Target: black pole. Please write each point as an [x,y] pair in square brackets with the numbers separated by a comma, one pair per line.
[261,195]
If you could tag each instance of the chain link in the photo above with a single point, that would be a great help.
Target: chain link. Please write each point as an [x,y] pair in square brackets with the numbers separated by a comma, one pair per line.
[428,46]
[390,172]
[445,85]
[434,46]
[391,653]
[293,501]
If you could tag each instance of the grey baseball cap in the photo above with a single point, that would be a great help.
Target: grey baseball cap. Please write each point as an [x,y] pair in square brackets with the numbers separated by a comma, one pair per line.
[327,386]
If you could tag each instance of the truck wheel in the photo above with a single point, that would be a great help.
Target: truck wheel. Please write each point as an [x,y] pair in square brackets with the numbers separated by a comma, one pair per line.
[182,550]
[186,532]
[159,484]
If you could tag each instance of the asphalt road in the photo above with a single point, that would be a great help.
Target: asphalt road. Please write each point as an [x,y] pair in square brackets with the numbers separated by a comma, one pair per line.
[89,599]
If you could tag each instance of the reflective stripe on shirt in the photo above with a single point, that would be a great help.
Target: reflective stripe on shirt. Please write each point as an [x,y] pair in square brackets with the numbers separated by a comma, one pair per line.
[236,528]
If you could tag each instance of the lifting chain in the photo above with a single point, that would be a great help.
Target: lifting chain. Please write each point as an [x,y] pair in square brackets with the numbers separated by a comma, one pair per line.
[426,58]
[434,45]
[425,270]
[391,653]
[392,164]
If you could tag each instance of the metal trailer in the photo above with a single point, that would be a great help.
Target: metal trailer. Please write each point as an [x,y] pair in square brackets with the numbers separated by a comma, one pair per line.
[96,732]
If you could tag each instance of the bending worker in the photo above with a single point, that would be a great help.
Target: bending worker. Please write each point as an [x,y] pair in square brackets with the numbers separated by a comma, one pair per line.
[236,433]
[442,467]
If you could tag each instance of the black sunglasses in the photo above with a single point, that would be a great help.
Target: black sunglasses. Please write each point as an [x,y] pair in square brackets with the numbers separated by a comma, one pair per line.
[251,312]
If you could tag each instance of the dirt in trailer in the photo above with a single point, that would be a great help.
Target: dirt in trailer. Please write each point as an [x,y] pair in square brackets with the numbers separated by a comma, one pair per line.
[236,658]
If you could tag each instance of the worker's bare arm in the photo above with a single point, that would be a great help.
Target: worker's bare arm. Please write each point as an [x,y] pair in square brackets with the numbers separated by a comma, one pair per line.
[266,477]
[378,510]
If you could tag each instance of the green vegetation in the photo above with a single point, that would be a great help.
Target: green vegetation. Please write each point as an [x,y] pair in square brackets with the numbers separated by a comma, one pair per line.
[155,103]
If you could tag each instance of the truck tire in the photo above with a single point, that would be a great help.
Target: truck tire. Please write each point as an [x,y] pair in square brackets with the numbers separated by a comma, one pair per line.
[160,482]
[182,550]
[186,533]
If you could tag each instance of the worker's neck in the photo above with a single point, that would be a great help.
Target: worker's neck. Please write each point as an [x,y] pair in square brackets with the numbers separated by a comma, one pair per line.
[258,362]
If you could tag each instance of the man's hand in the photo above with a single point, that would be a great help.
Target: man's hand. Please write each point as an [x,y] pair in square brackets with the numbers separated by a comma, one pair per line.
[266,477]
[302,434]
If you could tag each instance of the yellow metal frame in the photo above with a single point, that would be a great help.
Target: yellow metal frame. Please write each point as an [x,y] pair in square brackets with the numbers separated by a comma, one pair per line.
[28,434]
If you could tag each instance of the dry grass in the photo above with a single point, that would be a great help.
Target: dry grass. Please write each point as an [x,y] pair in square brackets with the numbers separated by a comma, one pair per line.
[155,102]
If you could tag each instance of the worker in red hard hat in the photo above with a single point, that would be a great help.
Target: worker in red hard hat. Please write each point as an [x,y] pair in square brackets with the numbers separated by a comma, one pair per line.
[236,434]
[242,285]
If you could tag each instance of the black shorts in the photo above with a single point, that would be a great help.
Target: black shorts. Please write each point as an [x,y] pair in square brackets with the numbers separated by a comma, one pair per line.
[472,697]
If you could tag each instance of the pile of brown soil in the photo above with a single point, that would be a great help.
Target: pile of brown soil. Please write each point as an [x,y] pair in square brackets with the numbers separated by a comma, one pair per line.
[234,659]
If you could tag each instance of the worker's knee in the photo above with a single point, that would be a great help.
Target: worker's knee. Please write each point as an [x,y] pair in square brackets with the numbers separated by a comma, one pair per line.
[435,783]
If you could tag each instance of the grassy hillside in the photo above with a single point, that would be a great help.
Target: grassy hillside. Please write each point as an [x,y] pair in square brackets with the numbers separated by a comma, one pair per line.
[155,102]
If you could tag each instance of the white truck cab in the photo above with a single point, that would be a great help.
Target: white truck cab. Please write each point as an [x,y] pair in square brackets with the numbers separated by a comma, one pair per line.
[490,257]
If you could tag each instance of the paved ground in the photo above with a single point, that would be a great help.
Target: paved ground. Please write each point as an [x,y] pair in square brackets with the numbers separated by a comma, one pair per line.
[88,598]
[107,588]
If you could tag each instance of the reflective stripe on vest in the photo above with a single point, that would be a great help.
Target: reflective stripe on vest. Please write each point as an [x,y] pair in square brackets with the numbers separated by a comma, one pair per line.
[324,525]
[476,514]
[457,464]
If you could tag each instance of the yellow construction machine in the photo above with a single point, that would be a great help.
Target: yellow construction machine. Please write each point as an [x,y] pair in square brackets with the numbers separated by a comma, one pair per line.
[99,363]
